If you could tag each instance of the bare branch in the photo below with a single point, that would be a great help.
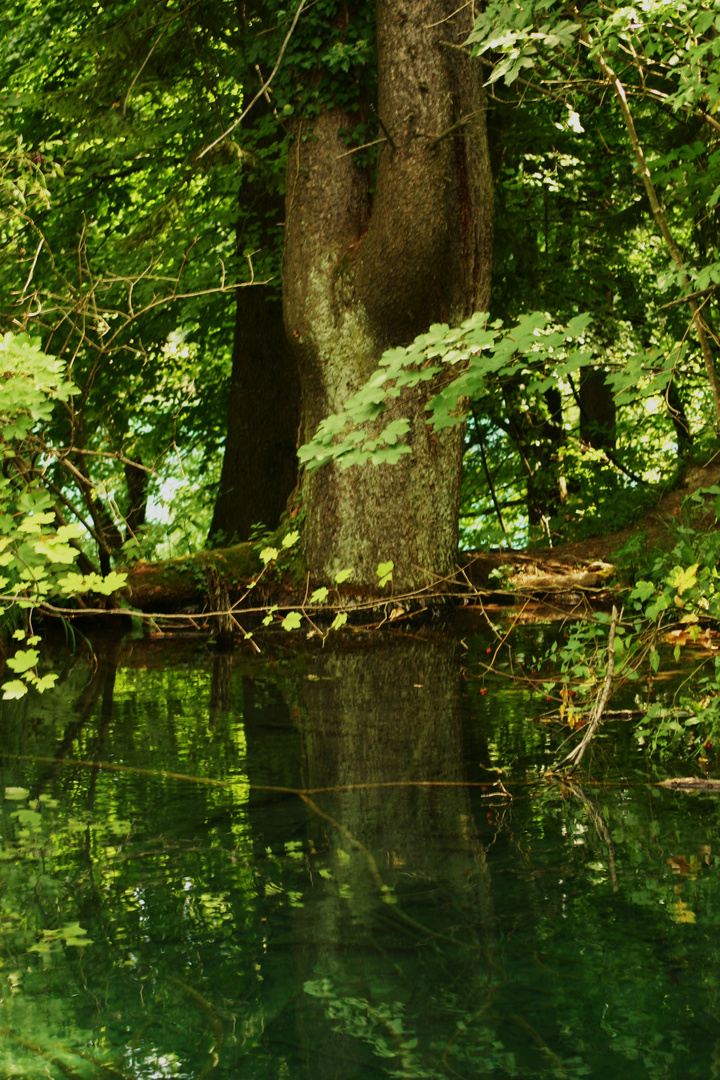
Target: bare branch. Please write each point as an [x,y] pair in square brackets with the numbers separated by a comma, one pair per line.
[575,756]
[263,89]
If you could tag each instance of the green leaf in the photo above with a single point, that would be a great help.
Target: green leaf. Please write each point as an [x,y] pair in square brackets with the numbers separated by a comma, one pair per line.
[13,689]
[16,794]
[110,583]
[343,575]
[46,682]
[73,583]
[269,617]
[56,551]
[290,539]
[643,591]
[34,523]
[23,660]
[340,619]
[385,572]
[292,620]
[683,578]
[319,596]
[73,531]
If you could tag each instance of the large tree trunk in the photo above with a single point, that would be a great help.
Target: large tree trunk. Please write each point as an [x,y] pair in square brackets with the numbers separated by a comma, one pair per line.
[362,274]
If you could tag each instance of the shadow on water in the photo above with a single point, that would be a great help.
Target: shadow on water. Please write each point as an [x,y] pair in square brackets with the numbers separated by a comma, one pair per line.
[218,865]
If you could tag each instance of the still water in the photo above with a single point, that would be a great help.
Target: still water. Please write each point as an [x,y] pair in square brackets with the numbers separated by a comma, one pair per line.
[303,867]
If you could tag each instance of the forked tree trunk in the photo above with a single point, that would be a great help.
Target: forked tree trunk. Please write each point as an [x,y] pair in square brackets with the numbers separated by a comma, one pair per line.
[362,273]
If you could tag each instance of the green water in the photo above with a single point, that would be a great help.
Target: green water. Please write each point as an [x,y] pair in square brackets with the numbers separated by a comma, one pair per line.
[298,867]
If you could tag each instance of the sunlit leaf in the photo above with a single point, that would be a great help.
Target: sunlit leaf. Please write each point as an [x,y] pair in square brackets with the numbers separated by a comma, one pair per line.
[385,572]
[14,689]
[683,578]
[23,660]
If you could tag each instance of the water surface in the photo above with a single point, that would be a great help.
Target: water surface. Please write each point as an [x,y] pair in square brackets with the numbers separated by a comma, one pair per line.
[301,866]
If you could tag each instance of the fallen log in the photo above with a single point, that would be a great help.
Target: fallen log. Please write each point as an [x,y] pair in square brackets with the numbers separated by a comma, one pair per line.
[691,783]
[178,583]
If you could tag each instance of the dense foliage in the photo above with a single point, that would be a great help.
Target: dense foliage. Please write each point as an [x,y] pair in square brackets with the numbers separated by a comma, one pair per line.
[142,184]
[129,218]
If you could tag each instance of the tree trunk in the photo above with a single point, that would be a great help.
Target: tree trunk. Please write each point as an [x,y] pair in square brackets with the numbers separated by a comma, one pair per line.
[260,464]
[137,480]
[676,408]
[597,410]
[362,273]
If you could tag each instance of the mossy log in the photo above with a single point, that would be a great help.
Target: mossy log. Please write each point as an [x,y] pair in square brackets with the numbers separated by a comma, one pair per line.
[178,583]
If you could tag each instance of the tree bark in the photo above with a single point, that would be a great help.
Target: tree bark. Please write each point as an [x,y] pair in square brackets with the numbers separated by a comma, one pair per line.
[260,464]
[137,481]
[364,271]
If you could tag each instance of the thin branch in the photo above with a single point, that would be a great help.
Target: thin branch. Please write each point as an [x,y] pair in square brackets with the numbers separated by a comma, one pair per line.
[701,294]
[447,18]
[357,149]
[491,486]
[261,92]
[575,756]
[32,268]
[140,70]
[659,216]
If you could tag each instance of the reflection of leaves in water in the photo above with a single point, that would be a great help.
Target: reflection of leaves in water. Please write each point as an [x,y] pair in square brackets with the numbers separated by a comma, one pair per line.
[681,913]
[379,1025]
[35,836]
[34,909]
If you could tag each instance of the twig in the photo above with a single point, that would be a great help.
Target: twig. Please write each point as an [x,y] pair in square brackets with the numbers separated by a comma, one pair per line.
[660,219]
[601,828]
[356,149]
[263,89]
[575,756]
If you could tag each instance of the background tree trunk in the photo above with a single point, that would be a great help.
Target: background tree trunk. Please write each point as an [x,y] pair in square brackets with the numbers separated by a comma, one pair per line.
[260,464]
[364,271]
[597,410]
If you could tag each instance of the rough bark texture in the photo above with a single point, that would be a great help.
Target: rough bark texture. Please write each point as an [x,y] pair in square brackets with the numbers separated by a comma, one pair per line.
[260,464]
[361,274]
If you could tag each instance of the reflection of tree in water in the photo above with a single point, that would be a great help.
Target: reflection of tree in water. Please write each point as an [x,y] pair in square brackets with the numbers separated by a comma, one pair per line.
[238,927]
[221,685]
[399,950]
